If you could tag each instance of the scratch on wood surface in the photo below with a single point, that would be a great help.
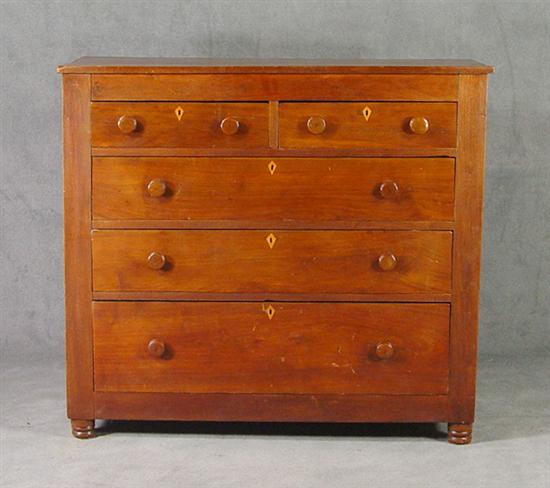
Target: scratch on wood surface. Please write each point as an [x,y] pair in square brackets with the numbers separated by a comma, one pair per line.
[347,365]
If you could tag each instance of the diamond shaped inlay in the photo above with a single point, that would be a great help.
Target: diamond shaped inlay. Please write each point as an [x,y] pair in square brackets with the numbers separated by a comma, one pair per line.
[271,240]
[179,113]
[272,167]
[269,310]
[367,112]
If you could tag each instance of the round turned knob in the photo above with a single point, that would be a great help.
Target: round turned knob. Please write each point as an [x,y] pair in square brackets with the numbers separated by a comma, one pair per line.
[127,124]
[229,126]
[316,125]
[156,188]
[156,348]
[387,262]
[419,125]
[384,350]
[156,260]
[388,189]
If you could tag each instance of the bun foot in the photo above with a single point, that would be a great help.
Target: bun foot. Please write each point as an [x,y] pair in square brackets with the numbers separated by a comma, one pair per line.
[459,433]
[83,429]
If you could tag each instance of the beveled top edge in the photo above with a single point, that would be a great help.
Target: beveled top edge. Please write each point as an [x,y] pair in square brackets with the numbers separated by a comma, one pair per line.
[122,65]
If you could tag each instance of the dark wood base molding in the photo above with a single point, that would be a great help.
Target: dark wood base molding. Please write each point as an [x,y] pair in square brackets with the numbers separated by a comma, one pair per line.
[270,408]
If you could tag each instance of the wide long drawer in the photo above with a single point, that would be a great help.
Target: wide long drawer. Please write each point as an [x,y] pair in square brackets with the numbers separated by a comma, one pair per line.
[271,348]
[273,262]
[273,190]
[180,125]
[256,86]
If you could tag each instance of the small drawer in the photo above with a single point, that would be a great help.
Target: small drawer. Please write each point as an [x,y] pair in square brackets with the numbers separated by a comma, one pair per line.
[272,191]
[301,348]
[183,125]
[240,261]
[367,125]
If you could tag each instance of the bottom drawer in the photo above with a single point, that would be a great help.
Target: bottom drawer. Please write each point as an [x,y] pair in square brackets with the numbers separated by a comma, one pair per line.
[199,347]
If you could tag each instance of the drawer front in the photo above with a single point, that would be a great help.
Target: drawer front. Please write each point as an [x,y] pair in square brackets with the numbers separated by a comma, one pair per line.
[185,125]
[272,262]
[250,86]
[367,125]
[280,348]
[273,190]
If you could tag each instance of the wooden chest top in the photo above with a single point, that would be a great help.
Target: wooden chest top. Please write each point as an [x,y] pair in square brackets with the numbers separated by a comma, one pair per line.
[136,65]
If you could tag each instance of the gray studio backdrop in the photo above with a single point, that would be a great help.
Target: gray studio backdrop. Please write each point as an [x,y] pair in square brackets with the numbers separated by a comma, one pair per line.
[35,36]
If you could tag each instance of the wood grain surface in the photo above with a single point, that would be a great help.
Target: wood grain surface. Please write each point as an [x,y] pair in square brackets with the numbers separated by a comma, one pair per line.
[78,249]
[271,407]
[273,190]
[158,125]
[136,65]
[273,240]
[263,348]
[348,126]
[295,262]
[467,248]
[252,87]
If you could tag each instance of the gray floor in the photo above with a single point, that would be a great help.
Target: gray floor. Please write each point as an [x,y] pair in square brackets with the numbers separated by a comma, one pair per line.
[511,443]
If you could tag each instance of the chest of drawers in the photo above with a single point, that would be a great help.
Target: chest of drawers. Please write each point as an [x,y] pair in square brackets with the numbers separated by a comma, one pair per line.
[272,241]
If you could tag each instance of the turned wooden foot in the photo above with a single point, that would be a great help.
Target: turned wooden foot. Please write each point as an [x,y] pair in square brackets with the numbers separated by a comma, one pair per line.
[459,433]
[82,429]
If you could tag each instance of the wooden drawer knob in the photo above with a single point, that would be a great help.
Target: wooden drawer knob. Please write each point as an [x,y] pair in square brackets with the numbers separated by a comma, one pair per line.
[384,350]
[229,126]
[127,124]
[156,188]
[388,189]
[156,348]
[387,262]
[156,260]
[419,125]
[316,125]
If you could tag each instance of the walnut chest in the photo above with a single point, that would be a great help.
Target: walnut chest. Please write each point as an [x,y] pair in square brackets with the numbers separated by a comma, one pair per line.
[274,240]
